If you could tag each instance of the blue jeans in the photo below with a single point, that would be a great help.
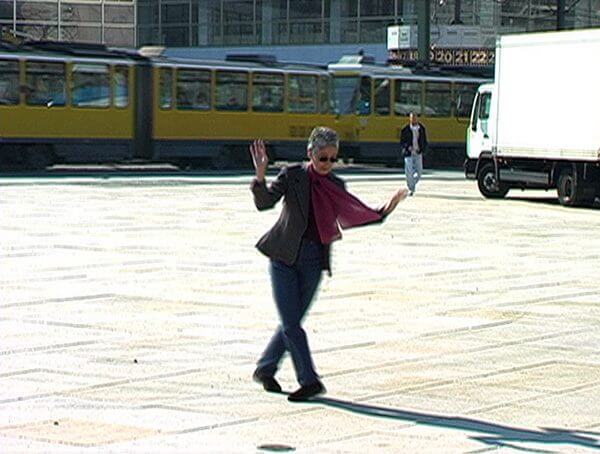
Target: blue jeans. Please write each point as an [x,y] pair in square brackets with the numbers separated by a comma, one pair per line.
[293,290]
[413,166]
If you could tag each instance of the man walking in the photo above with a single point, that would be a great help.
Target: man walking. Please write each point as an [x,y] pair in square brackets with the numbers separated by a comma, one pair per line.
[413,143]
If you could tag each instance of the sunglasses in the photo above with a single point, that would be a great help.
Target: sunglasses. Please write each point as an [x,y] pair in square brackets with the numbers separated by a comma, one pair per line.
[325,159]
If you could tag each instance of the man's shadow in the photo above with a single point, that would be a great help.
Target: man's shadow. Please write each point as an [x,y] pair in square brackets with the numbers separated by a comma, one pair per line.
[490,433]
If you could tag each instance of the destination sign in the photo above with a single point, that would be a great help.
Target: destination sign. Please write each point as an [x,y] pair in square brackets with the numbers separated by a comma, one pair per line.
[448,56]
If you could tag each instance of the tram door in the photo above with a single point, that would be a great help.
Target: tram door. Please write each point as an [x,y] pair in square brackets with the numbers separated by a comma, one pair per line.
[343,95]
[376,124]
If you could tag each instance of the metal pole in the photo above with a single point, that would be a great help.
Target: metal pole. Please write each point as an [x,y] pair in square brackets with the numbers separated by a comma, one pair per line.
[102,38]
[160,37]
[560,14]
[423,30]
[59,22]
[457,8]
[136,33]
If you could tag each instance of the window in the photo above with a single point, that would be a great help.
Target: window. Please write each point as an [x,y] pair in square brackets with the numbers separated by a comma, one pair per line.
[166,88]
[382,96]
[238,11]
[363,102]
[373,31]
[193,89]
[267,92]
[177,13]
[438,102]
[377,8]
[121,86]
[176,36]
[486,103]
[34,11]
[306,32]
[348,8]
[239,33]
[9,82]
[481,112]
[147,12]
[45,84]
[232,91]
[117,14]
[90,85]
[305,9]
[344,89]
[6,11]
[302,93]
[463,98]
[408,97]
[325,100]
[119,36]
[81,33]
[72,12]
[349,31]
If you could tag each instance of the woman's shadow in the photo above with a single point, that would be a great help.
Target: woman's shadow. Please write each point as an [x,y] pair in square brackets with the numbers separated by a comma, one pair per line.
[491,434]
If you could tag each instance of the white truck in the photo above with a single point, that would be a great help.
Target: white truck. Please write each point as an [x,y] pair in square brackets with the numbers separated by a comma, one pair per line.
[538,124]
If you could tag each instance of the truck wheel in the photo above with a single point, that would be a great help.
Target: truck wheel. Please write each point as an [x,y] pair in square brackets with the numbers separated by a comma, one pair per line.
[488,184]
[567,188]
[573,190]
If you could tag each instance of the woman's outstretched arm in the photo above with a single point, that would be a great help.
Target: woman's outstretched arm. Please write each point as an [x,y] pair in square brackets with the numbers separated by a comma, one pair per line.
[393,202]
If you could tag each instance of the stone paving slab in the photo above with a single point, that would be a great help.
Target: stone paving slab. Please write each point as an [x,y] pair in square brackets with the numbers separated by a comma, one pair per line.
[132,310]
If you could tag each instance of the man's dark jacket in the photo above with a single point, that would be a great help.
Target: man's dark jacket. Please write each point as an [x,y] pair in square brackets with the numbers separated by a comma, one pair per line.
[406,140]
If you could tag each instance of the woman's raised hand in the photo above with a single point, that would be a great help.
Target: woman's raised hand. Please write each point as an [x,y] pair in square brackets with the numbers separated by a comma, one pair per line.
[259,158]
[391,204]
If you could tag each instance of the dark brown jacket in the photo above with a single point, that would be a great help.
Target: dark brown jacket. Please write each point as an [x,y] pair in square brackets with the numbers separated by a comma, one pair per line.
[282,241]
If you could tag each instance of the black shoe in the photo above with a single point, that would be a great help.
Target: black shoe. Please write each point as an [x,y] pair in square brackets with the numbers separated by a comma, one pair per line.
[268,382]
[306,392]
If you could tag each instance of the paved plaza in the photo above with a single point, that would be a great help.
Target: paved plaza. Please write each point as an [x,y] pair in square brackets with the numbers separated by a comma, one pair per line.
[132,310]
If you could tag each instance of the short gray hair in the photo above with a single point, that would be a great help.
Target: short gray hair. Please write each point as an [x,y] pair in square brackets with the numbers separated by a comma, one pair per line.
[322,137]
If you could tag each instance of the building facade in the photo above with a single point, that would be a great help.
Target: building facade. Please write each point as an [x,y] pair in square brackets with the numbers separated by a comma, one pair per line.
[308,29]
[96,21]
[288,22]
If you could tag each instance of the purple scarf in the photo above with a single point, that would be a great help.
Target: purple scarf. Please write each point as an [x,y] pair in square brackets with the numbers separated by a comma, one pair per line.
[334,207]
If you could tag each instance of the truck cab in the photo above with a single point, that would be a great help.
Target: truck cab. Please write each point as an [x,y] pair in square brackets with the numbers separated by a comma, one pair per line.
[480,131]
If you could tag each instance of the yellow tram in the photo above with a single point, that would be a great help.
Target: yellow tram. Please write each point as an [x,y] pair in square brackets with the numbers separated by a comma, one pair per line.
[68,103]
[379,98]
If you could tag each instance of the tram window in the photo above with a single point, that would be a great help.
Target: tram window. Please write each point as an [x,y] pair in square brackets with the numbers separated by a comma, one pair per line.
[9,82]
[407,98]
[343,94]
[464,94]
[121,86]
[232,91]
[302,93]
[45,84]
[382,96]
[325,99]
[267,92]
[363,97]
[193,89]
[166,85]
[90,85]
[438,102]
